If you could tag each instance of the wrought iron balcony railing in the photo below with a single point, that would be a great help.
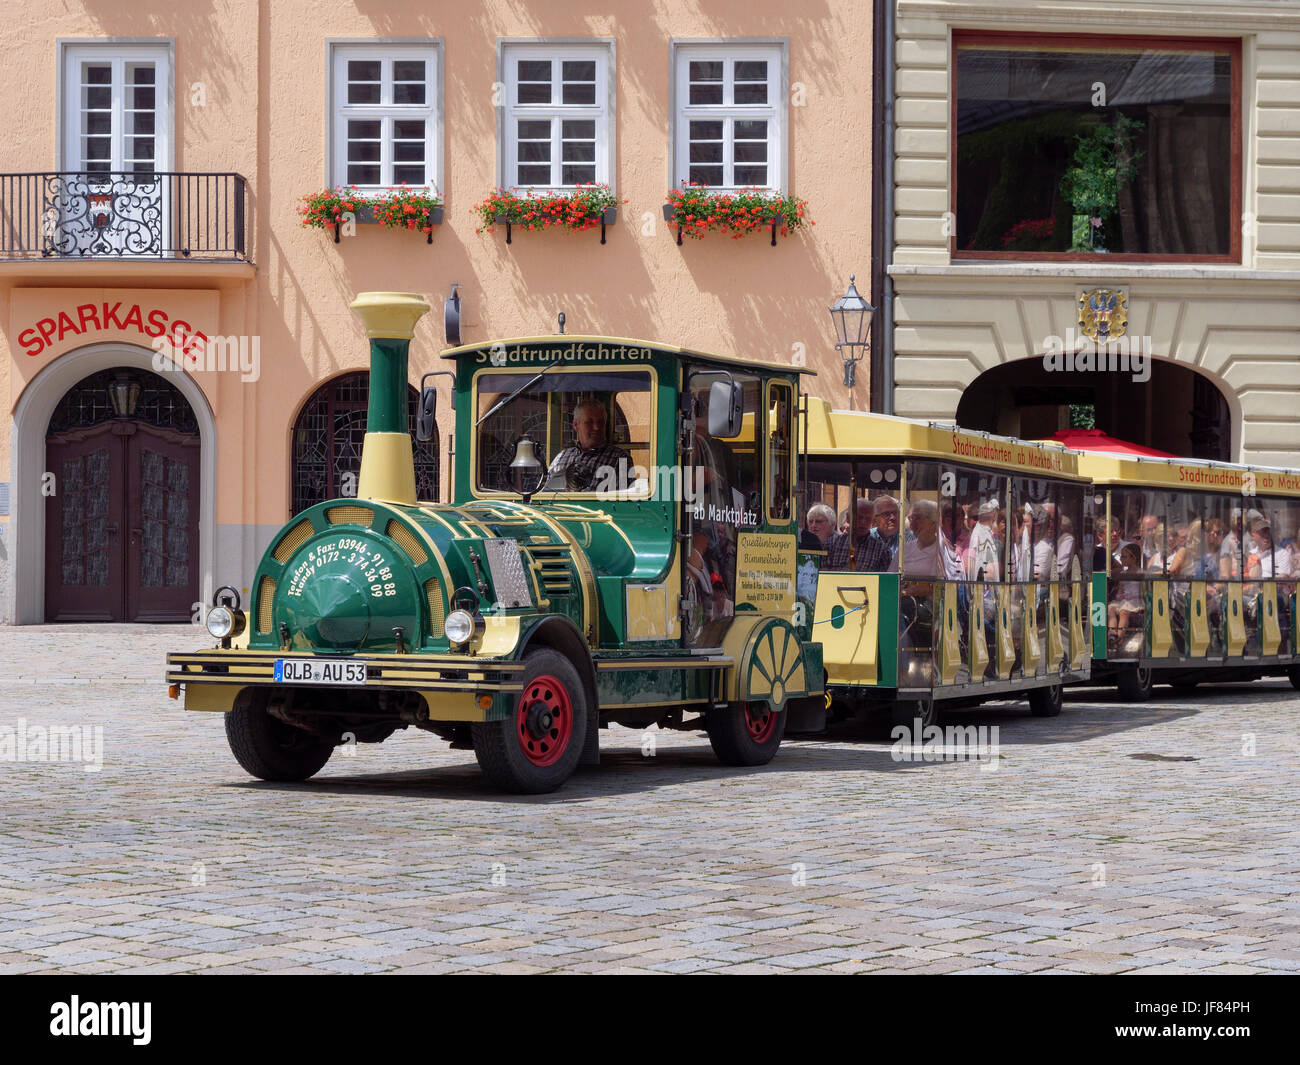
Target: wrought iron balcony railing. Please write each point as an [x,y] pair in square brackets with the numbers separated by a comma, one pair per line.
[73,215]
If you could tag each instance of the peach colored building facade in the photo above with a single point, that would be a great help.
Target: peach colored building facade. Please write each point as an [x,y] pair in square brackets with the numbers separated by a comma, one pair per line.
[254,92]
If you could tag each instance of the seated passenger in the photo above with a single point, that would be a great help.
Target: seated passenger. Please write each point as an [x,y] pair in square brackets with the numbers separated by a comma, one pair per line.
[579,468]
[1126,607]
[872,554]
[886,523]
[821,523]
[928,555]
[984,558]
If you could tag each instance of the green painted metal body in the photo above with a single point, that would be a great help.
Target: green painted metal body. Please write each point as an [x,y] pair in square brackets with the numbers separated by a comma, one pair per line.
[1097,618]
[388,364]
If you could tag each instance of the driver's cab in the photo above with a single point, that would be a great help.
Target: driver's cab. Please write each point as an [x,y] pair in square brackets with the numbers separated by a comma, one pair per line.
[688,457]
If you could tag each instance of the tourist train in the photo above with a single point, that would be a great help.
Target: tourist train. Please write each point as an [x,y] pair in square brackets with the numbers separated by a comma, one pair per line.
[641,534]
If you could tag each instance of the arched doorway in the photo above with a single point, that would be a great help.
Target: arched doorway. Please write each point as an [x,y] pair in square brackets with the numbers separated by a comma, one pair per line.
[1178,410]
[122,501]
[327,438]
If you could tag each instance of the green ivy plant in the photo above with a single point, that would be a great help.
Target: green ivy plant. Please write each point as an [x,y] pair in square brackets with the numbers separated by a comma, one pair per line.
[1104,161]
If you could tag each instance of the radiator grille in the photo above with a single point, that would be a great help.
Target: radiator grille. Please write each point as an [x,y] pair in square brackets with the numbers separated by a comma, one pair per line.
[407,542]
[433,593]
[553,572]
[265,597]
[350,515]
[292,540]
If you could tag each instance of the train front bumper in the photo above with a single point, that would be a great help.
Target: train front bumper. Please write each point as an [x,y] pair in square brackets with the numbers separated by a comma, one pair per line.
[456,687]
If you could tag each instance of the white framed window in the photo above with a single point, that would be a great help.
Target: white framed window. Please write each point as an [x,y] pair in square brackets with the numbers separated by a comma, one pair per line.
[730,115]
[558,115]
[386,126]
[117,108]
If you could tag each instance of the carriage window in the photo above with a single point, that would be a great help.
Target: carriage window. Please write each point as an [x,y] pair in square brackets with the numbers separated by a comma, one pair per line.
[591,431]
[1033,527]
[1073,554]
[974,522]
[856,514]
[780,401]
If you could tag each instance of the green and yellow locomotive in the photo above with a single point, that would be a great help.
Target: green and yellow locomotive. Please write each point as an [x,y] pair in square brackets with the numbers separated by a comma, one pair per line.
[621,548]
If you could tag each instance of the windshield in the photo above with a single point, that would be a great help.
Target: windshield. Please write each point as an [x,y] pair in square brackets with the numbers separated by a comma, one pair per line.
[591,430]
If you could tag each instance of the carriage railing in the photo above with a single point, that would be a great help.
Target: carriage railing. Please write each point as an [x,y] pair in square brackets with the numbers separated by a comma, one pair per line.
[1238,621]
[79,215]
[955,632]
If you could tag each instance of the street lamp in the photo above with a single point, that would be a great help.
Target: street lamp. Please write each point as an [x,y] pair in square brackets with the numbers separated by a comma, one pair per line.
[851,316]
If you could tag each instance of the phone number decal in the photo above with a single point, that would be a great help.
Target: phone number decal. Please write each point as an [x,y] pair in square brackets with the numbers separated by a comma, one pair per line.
[360,556]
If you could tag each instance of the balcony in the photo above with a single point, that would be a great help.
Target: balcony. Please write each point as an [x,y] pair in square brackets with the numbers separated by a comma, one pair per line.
[72,217]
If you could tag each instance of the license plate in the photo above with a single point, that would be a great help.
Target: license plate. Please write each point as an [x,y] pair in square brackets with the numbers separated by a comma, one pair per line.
[316,671]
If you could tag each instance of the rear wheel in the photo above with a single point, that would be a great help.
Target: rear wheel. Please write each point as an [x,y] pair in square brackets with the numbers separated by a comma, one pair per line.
[1046,702]
[745,733]
[1293,675]
[906,712]
[537,747]
[1134,683]
[269,749]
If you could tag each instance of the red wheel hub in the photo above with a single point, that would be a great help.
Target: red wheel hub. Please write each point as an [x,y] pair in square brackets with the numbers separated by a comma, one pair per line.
[544,721]
[760,721]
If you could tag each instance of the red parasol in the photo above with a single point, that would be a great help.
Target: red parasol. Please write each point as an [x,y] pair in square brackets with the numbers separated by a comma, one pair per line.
[1096,440]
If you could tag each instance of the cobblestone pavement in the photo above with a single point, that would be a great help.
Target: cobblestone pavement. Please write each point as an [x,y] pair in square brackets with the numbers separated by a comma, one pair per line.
[1114,838]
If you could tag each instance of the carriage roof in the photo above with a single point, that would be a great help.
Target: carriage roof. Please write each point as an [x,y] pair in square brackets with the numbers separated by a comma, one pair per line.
[847,434]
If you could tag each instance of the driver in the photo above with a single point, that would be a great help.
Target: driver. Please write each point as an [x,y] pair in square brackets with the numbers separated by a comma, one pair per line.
[577,469]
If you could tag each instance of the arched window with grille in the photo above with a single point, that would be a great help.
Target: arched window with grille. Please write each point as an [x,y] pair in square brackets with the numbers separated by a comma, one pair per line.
[327,439]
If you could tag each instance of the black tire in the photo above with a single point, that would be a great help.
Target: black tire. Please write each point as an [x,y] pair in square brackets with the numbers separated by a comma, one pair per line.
[1293,675]
[268,748]
[904,712]
[1134,683]
[534,750]
[1046,702]
[745,733]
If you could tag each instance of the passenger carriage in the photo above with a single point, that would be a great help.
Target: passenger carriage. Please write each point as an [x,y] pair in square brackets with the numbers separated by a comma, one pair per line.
[1194,572]
[981,594]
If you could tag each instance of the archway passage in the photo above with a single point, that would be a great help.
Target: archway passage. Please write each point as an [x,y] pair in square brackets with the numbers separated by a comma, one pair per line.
[327,439]
[122,501]
[1177,410]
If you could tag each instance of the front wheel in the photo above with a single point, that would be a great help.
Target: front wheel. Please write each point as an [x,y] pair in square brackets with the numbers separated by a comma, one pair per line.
[1293,675]
[1134,683]
[745,734]
[537,748]
[1046,702]
[269,749]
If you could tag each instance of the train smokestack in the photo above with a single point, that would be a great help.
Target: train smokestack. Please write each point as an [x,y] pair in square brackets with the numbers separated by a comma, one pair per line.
[387,459]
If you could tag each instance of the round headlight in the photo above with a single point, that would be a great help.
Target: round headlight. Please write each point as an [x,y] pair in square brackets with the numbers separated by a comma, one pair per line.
[221,622]
[459,627]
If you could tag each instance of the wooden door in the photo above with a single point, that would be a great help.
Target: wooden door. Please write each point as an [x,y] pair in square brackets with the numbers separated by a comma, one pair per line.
[84,558]
[161,524]
[122,524]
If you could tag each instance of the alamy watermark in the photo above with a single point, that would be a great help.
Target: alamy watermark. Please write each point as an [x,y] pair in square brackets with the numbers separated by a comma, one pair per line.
[218,354]
[948,743]
[1077,353]
[83,744]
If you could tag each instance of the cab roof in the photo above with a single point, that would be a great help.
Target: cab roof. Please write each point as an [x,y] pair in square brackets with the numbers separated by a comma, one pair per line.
[652,345]
[847,434]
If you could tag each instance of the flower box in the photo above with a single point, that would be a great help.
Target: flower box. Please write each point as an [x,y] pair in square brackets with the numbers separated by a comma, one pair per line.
[400,208]
[696,210]
[585,207]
